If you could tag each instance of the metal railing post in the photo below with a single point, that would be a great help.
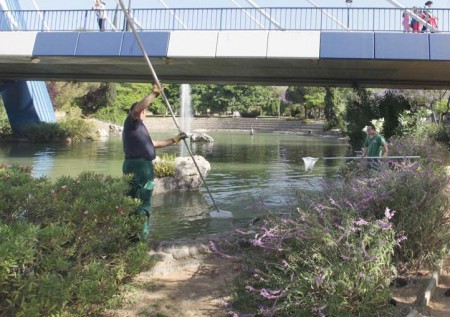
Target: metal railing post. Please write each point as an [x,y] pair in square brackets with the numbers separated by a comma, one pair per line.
[250,18]
[85,20]
[43,21]
[270,18]
[173,19]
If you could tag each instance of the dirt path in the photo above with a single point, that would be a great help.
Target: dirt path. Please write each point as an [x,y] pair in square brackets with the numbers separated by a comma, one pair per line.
[197,288]
[439,306]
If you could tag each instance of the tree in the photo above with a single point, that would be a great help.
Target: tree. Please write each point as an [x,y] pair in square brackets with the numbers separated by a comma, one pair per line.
[330,108]
[314,102]
[223,98]
[105,95]
[361,108]
[310,98]
[391,106]
[63,94]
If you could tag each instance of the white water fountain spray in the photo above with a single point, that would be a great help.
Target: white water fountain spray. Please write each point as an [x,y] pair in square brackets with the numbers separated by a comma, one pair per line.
[186,112]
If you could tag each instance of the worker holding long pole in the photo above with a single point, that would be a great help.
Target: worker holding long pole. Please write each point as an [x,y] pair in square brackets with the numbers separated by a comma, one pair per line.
[139,151]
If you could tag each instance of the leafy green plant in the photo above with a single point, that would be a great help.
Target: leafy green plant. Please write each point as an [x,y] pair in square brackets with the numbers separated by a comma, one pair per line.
[45,133]
[416,125]
[166,166]
[5,127]
[64,245]
[361,109]
[322,261]
[111,114]
[251,112]
[76,129]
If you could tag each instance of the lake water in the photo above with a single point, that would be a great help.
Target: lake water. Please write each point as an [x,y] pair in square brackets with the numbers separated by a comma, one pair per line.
[249,175]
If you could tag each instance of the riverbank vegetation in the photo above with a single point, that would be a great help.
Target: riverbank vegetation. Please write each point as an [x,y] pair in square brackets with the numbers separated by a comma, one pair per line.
[65,245]
[402,112]
[165,166]
[337,254]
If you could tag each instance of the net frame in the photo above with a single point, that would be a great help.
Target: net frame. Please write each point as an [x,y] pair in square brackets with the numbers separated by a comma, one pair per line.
[309,163]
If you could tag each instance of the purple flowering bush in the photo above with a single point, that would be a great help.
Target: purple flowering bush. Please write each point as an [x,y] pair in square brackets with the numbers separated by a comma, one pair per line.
[419,194]
[321,261]
[338,253]
[428,149]
[418,191]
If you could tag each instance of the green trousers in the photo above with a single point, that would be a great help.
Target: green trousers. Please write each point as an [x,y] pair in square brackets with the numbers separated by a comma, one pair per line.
[142,185]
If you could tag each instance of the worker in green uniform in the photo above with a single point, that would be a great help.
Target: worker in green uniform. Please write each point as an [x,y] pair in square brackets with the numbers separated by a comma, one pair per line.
[374,145]
[139,149]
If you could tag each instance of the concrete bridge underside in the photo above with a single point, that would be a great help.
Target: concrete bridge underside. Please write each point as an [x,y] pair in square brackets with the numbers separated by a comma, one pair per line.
[371,59]
[335,72]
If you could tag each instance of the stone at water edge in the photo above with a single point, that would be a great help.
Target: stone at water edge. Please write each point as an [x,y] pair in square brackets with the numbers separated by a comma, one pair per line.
[186,176]
[201,138]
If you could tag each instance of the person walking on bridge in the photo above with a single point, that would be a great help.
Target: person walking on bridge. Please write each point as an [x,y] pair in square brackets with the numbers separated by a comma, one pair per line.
[99,8]
[428,16]
[139,149]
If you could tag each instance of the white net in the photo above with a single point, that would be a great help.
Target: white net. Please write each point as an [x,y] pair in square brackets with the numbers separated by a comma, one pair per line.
[309,163]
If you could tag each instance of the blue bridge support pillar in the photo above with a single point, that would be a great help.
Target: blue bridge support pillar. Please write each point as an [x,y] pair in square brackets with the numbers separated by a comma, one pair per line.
[26,102]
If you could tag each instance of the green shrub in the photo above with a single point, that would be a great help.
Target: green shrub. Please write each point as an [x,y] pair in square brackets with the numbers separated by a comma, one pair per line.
[5,127]
[111,114]
[45,132]
[361,108]
[64,245]
[165,167]
[251,112]
[325,261]
[76,129]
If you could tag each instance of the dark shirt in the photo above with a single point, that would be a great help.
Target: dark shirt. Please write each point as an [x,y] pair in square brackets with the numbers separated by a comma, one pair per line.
[137,143]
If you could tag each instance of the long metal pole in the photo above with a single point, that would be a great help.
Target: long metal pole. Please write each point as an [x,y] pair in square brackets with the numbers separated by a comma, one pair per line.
[412,14]
[264,13]
[157,82]
[40,14]
[366,157]
[173,14]
[248,14]
[328,15]
[129,12]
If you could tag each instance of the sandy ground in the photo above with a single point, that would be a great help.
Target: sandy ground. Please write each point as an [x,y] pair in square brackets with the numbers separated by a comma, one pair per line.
[439,305]
[194,290]
[199,288]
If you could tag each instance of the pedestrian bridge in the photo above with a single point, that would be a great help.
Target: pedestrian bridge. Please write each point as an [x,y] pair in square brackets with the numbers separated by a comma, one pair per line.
[274,46]
[270,46]
[373,59]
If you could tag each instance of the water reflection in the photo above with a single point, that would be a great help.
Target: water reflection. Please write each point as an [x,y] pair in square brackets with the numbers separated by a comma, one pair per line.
[43,162]
[249,174]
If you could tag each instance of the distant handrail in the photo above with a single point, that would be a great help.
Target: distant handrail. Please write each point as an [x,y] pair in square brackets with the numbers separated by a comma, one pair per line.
[210,19]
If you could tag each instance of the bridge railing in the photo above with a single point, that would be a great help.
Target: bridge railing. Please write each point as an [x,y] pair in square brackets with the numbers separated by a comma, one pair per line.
[320,19]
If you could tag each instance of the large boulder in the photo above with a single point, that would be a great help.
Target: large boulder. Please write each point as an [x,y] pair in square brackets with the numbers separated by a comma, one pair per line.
[201,138]
[186,175]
